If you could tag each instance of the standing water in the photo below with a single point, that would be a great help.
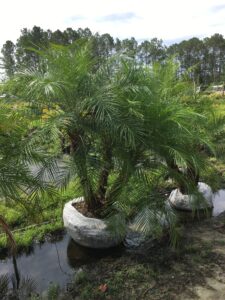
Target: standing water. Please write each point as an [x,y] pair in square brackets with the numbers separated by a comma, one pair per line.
[54,262]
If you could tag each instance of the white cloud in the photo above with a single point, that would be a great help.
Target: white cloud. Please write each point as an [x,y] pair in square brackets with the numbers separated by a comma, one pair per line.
[142,19]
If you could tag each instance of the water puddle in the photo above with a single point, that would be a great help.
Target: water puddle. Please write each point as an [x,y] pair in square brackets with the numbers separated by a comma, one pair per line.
[219,203]
[54,262]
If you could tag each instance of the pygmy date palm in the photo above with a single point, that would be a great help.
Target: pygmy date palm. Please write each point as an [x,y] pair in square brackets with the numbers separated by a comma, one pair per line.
[119,119]
[90,114]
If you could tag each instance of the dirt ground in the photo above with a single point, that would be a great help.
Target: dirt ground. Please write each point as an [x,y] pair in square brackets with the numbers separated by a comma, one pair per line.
[195,271]
[212,285]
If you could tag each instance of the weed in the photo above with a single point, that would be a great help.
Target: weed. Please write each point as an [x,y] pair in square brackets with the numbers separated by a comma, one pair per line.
[220,242]
[80,277]
[53,292]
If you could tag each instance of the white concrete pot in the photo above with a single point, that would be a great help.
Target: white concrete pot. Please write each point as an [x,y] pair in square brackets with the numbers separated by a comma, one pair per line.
[88,232]
[189,202]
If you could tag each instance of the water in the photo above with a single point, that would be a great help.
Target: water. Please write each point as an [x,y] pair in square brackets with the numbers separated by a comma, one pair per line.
[58,261]
[219,203]
[42,264]
[54,262]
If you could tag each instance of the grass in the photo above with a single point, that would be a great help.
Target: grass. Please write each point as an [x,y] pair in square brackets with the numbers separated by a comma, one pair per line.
[24,239]
[26,230]
[14,216]
[121,278]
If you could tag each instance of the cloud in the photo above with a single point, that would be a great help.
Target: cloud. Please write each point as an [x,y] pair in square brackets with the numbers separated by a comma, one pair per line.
[118,17]
[217,24]
[76,18]
[217,8]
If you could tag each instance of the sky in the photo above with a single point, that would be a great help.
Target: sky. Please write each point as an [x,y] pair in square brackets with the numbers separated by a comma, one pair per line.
[169,20]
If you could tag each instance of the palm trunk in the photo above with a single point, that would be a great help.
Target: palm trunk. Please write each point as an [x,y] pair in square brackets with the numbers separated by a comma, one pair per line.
[118,185]
[193,175]
[78,151]
[186,180]
[104,173]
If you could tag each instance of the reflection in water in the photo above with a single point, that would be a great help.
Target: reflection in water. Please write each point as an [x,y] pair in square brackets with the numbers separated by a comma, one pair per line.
[78,255]
[53,262]
[42,264]
[16,272]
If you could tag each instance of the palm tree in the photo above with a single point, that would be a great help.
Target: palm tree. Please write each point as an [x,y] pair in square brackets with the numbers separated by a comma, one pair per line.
[179,132]
[115,116]
[173,132]
[177,141]
[88,112]
[126,125]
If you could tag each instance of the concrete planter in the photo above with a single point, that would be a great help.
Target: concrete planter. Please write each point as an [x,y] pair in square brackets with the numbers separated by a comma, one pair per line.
[88,232]
[189,202]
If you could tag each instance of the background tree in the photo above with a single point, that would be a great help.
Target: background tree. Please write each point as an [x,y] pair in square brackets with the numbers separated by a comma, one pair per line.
[35,38]
[203,59]
[151,51]
[190,55]
[8,60]
[129,47]
[215,57]
[103,45]
[72,35]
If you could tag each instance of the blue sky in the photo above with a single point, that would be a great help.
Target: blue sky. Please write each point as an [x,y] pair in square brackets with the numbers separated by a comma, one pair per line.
[171,20]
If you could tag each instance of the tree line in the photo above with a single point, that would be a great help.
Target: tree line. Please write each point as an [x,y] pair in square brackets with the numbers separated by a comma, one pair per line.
[203,59]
